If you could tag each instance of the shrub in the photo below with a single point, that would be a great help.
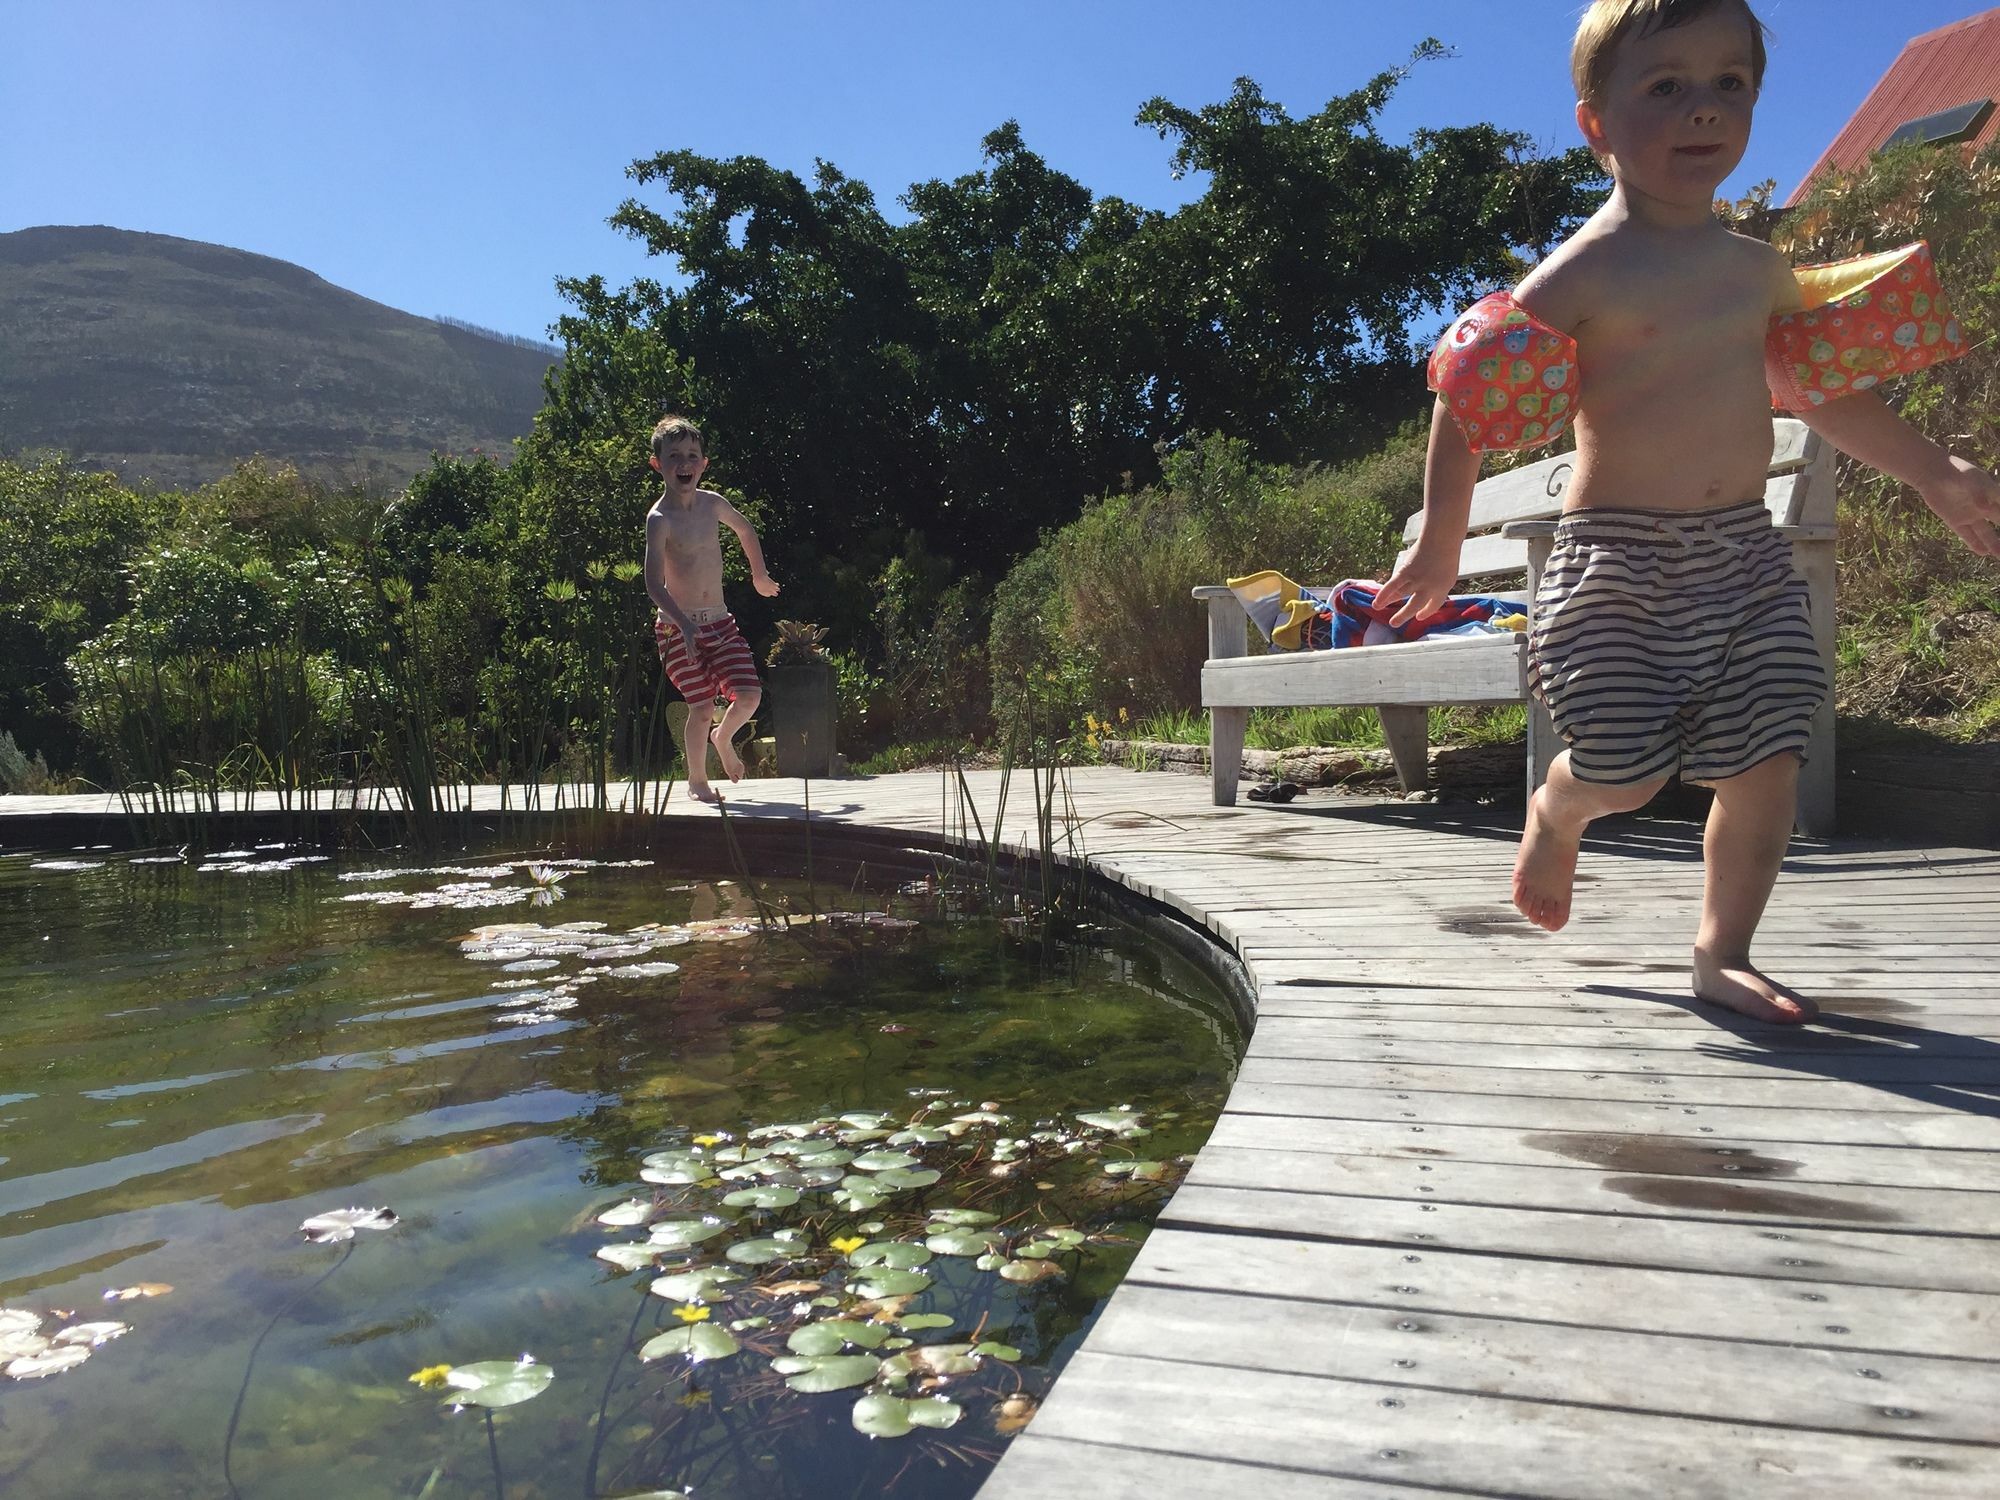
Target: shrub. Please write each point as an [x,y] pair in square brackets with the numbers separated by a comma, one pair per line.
[1919,613]
[1104,604]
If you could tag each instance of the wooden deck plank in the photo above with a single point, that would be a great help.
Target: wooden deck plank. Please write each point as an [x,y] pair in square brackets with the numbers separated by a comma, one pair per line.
[1851,1254]
[1915,1321]
[1832,1390]
[1453,1439]
[1599,1191]
[1762,1124]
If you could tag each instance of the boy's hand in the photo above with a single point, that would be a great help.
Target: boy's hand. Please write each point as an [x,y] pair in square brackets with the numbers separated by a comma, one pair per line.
[1422,581]
[766,585]
[1968,501]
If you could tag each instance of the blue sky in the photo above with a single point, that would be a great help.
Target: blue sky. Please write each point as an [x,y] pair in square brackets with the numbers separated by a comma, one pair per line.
[452,157]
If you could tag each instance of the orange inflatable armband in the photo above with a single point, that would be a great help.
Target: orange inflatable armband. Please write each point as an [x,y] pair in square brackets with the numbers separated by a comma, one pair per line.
[1864,320]
[1508,379]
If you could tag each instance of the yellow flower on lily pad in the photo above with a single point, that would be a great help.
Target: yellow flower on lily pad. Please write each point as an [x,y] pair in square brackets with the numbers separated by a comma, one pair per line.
[688,1313]
[431,1377]
[710,1140]
[849,1242]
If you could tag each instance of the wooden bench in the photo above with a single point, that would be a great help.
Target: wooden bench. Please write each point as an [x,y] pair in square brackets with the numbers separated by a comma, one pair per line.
[1511,531]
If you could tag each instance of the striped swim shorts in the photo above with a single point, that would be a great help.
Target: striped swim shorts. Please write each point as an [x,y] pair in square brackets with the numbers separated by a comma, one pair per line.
[1671,641]
[725,669]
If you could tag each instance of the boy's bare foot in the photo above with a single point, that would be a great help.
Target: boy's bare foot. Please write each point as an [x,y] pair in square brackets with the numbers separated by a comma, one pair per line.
[726,753]
[701,791]
[1544,870]
[1734,985]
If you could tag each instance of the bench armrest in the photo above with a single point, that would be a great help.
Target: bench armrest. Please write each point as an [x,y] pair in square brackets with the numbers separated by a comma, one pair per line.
[1809,531]
[1516,531]
[1228,625]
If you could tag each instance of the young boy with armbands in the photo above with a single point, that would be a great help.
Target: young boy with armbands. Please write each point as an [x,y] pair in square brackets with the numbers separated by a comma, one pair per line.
[1670,629]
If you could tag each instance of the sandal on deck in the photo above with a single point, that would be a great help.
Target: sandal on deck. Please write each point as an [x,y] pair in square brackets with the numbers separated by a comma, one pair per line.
[1274,791]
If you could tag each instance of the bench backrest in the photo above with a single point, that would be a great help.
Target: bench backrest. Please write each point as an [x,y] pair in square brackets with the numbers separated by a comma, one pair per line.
[1799,492]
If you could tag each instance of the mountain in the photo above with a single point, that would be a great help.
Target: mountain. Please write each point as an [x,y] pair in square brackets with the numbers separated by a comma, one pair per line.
[169,359]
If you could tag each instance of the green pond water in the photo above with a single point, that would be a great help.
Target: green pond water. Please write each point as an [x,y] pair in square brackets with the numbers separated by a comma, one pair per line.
[198,1058]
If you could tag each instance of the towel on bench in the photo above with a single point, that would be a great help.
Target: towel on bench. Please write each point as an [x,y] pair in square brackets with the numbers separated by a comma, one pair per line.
[1294,617]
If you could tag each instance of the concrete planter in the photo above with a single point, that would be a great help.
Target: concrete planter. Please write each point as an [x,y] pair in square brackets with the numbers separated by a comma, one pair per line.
[803,710]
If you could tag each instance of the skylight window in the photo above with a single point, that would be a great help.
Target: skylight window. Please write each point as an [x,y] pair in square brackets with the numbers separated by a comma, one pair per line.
[1946,125]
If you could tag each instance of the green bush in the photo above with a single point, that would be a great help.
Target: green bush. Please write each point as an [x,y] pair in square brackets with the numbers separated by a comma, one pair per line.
[1919,612]
[1104,604]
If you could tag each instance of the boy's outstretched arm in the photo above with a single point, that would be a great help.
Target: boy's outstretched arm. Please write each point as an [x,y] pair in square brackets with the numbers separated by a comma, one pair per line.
[753,550]
[1424,576]
[1964,496]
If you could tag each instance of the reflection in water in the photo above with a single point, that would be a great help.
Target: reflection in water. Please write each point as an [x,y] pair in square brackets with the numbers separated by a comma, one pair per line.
[194,1062]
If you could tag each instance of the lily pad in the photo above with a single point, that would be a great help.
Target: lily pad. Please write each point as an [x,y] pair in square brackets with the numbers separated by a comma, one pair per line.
[679,1234]
[891,1283]
[702,1285]
[93,1334]
[674,1168]
[761,1252]
[1030,1270]
[624,1215]
[736,1155]
[1139,1171]
[963,1216]
[877,1415]
[919,1135]
[832,1335]
[916,1322]
[826,1372]
[498,1382]
[885,1161]
[963,1242]
[832,1156]
[51,1361]
[1118,1122]
[698,1341]
[762,1197]
[893,1253]
[914,1177]
[943,1359]
[859,1194]
[21,1343]
[630,1257]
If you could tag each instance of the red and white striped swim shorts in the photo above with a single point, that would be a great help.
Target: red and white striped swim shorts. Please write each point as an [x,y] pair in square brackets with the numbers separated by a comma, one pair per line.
[725,669]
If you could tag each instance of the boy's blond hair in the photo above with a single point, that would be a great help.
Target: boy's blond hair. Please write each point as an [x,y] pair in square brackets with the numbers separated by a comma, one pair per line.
[671,429]
[1609,22]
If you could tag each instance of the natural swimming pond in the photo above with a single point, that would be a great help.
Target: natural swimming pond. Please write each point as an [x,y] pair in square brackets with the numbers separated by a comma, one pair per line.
[812,1212]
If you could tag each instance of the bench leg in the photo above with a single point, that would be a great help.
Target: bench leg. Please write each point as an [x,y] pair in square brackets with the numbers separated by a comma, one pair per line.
[1407,728]
[1225,751]
[1816,777]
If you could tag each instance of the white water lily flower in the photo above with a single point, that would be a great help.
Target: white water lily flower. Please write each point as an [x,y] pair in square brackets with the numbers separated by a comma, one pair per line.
[340,1224]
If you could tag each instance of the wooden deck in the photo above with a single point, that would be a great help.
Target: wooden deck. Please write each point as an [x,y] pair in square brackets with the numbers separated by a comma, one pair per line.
[1495,1212]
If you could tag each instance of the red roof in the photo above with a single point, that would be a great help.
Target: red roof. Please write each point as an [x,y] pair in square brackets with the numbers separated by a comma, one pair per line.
[1939,70]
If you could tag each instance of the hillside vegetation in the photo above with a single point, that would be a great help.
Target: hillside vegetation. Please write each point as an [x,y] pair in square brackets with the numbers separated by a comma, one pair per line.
[169,360]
